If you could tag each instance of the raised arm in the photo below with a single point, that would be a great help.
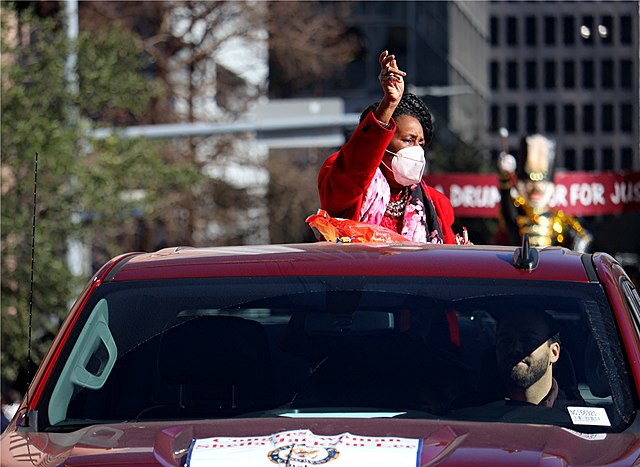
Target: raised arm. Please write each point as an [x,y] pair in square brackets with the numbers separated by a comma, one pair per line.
[346,175]
[392,82]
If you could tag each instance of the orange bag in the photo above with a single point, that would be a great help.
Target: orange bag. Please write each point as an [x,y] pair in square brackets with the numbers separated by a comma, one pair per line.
[335,229]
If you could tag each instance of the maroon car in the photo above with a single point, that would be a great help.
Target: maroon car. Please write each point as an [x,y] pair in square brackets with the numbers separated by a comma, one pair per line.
[339,354]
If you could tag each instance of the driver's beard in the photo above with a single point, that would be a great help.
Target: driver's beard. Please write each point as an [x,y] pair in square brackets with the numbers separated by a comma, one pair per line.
[526,377]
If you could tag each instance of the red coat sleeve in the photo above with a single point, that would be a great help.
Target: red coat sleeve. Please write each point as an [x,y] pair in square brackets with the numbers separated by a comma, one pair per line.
[345,175]
[444,211]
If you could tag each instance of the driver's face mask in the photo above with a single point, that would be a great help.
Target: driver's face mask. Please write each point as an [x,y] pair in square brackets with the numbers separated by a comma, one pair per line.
[407,165]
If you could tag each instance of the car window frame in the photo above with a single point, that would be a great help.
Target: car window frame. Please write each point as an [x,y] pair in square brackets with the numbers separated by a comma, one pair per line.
[630,293]
[474,283]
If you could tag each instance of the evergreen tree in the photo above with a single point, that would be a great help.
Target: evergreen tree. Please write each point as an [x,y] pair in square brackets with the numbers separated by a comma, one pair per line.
[83,186]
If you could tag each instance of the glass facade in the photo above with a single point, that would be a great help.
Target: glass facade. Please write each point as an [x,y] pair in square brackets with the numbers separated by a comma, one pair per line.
[570,70]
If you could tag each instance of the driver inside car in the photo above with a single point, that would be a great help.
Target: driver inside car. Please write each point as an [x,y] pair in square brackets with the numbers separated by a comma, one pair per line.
[527,348]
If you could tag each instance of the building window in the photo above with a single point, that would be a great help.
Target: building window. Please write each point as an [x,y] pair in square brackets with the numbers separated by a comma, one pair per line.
[549,74]
[530,31]
[532,119]
[495,29]
[570,159]
[512,118]
[494,75]
[512,75]
[626,74]
[625,29]
[605,30]
[569,74]
[607,72]
[588,118]
[607,118]
[568,30]
[569,112]
[626,158]
[626,118]
[512,30]
[607,158]
[588,72]
[588,159]
[550,124]
[586,30]
[550,30]
[531,74]
[494,118]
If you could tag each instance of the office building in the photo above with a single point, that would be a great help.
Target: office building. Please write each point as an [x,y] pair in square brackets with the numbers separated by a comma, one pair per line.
[443,47]
[568,70]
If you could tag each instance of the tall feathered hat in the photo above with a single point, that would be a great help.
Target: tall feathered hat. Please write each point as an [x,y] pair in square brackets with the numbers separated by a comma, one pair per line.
[536,158]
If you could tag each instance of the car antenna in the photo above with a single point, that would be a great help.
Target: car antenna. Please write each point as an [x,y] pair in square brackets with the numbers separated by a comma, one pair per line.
[33,254]
[526,257]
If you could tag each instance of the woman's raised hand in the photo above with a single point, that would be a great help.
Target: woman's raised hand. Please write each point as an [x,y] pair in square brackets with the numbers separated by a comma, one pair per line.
[391,77]
[392,81]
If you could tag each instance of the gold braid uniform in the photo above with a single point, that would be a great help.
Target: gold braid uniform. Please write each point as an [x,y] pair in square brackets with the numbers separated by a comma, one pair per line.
[544,226]
[547,227]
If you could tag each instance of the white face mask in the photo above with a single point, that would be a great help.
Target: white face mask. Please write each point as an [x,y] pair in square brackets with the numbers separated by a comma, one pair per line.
[407,165]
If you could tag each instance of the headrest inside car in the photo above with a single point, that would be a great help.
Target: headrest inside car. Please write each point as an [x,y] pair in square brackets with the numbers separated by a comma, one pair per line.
[595,371]
[213,349]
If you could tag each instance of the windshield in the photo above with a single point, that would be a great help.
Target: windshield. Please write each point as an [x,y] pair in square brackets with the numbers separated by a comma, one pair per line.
[352,346]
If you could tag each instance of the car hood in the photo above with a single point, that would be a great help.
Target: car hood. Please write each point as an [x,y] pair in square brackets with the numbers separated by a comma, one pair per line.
[442,443]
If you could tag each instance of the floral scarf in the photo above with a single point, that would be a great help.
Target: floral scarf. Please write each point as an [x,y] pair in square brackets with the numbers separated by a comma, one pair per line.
[419,215]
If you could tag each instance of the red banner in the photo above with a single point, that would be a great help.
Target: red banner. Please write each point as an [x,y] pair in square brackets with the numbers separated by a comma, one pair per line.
[576,193]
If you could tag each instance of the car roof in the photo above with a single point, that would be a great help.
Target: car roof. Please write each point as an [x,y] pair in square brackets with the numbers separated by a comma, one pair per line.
[338,259]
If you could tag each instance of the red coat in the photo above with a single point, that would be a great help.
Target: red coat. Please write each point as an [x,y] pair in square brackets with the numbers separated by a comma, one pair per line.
[345,175]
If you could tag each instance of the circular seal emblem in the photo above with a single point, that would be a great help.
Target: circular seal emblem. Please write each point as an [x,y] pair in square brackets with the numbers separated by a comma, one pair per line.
[300,455]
